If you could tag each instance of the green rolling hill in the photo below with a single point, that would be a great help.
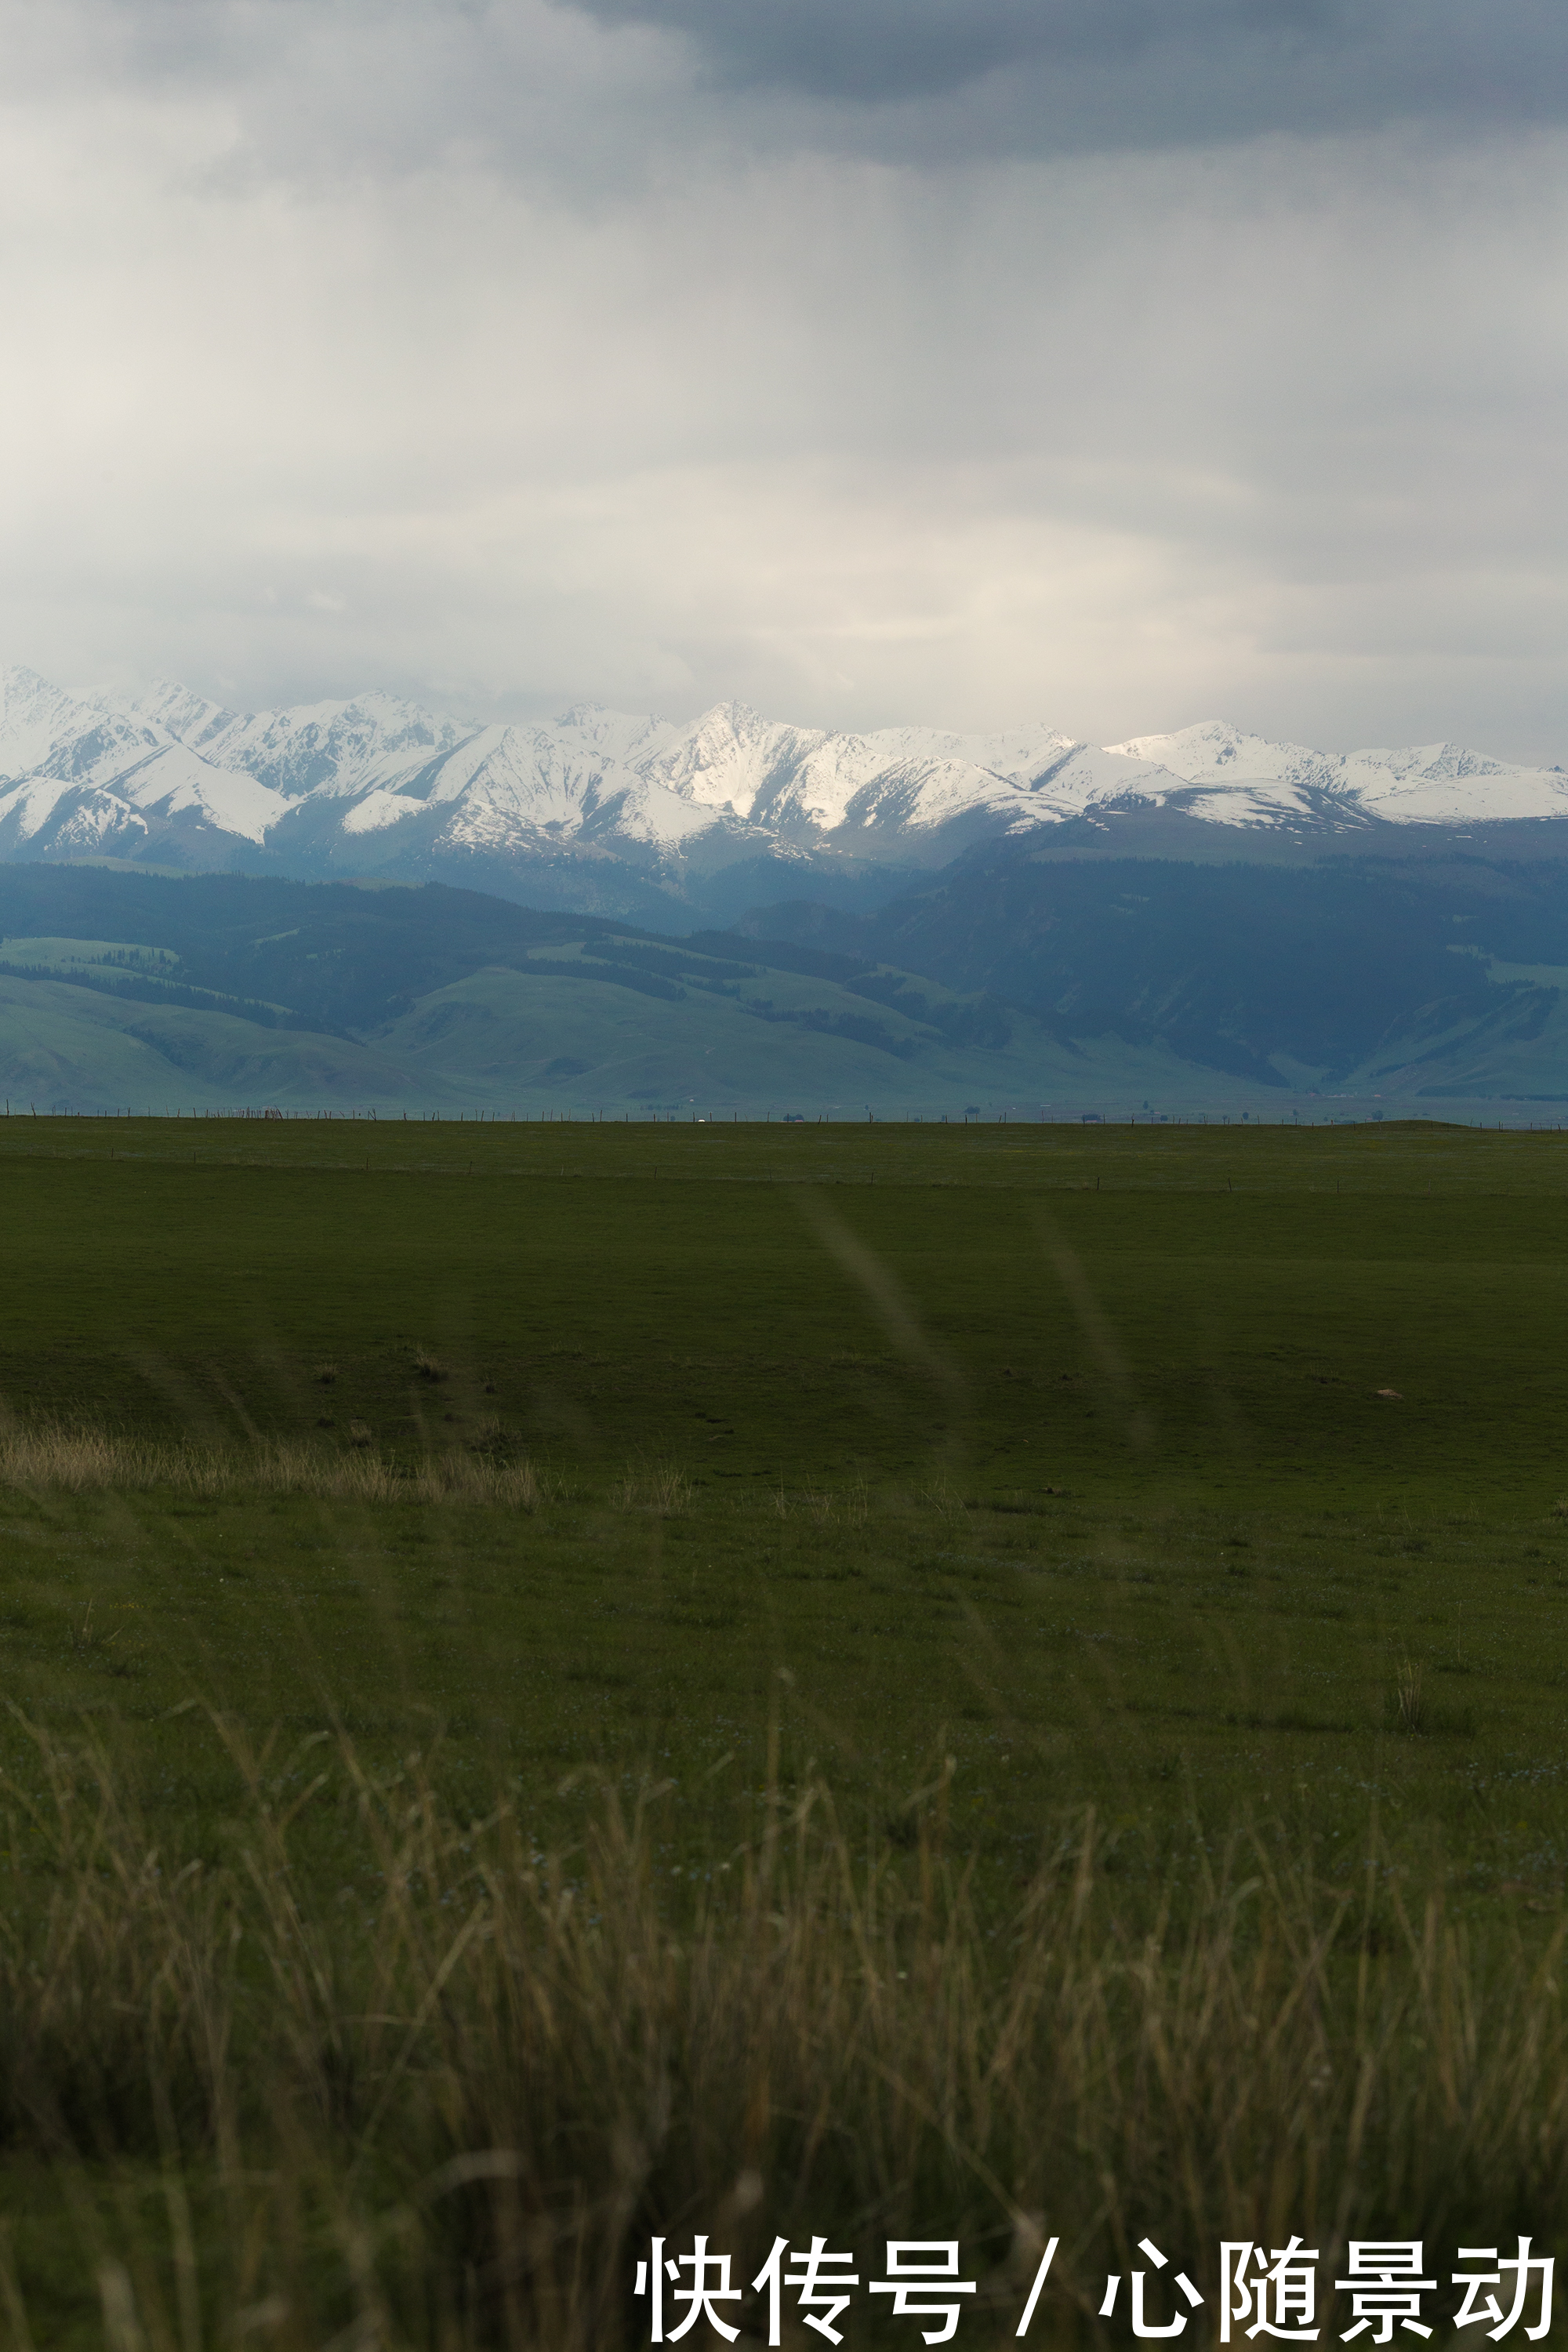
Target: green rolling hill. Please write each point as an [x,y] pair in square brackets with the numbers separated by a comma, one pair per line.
[161,993]
[1016,984]
[1435,978]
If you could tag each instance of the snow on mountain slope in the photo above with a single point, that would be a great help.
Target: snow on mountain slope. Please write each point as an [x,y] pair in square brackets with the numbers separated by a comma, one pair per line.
[36,718]
[166,791]
[375,783]
[1213,752]
[1434,784]
[337,746]
[730,759]
[79,776]
[513,787]
[801,781]
[189,718]
[1440,784]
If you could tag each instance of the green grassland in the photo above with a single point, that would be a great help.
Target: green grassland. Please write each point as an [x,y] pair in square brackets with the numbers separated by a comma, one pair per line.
[1060,1447]
[986,1474]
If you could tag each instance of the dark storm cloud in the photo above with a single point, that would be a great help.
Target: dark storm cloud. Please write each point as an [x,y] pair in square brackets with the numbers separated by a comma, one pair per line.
[336,85]
[1077,73]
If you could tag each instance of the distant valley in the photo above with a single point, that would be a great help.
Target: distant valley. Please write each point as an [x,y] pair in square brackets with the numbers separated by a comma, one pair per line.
[1019,980]
[121,989]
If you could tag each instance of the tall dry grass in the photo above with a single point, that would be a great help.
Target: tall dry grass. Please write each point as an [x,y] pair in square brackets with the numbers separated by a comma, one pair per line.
[59,1456]
[439,2090]
[662,1489]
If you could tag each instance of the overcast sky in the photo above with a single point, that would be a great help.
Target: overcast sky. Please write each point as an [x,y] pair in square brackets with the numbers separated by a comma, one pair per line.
[1111,363]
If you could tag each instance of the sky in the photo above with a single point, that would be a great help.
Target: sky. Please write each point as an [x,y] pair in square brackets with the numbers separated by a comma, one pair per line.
[1110,364]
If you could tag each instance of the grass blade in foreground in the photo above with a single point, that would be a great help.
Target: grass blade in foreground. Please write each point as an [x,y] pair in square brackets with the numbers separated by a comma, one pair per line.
[442,2093]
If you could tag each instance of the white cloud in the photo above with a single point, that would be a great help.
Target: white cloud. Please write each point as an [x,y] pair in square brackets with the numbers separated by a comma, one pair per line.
[488,355]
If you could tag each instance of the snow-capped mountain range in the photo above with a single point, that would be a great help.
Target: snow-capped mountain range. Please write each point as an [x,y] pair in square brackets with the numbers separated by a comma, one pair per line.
[600,807]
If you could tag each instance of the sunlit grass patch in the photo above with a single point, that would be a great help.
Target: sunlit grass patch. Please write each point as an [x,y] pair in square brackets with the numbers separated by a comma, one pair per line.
[54,1455]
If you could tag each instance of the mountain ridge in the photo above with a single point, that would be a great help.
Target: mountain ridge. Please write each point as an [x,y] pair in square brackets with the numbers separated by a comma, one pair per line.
[652,819]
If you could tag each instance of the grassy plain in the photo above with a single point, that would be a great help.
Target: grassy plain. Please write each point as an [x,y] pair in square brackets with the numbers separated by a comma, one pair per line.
[982,1475]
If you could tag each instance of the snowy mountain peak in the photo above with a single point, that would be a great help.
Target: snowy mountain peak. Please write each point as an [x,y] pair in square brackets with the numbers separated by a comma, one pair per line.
[1214,751]
[599,805]
[20,686]
[188,717]
[730,757]
[1430,783]
[34,717]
